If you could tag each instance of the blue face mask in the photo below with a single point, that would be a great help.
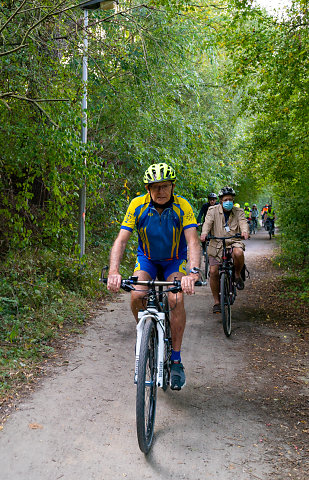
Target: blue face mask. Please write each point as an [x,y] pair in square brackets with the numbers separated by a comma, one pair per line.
[228,205]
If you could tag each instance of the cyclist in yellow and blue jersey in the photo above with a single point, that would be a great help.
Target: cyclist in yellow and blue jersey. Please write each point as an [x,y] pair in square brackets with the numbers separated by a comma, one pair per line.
[165,224]
[160,236]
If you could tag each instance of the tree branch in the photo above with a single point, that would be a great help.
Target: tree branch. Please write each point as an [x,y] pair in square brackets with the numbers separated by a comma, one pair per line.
[6,104]
[298,25]
[23,45]
[35,102]
[12,94]
[12,16]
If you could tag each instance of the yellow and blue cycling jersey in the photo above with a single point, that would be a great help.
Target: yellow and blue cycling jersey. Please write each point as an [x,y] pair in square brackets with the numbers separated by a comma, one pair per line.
[160,237]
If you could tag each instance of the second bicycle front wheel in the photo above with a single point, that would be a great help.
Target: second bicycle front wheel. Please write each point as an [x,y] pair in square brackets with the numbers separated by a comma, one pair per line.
[226,311]
[146,392]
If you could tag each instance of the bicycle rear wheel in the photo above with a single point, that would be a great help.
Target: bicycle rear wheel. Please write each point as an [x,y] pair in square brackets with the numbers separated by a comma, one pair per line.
[206,265]
[226,311]
[146,392]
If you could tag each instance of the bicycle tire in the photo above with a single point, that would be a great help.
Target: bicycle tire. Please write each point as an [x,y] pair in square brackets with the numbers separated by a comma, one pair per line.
[146,391]
[226,311]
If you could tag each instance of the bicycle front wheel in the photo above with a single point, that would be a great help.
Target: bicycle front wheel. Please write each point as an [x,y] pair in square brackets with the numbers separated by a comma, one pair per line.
[146,393]
[226,311]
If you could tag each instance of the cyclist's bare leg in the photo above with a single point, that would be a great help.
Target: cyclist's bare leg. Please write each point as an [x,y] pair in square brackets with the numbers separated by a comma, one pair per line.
[239,260]
[137,296]
[178,314]
[214,282]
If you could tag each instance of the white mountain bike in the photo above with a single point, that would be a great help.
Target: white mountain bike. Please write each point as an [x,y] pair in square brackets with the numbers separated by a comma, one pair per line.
[153,351]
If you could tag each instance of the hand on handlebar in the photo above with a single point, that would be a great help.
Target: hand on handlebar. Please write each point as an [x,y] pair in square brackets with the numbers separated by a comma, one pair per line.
[203,237]
[114,282]
[188,283]
[245,235]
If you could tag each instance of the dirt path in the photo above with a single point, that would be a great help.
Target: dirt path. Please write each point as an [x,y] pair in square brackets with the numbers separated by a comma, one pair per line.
[230,422]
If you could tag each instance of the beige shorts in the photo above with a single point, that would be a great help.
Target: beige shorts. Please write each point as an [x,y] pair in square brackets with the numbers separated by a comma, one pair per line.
[216,259]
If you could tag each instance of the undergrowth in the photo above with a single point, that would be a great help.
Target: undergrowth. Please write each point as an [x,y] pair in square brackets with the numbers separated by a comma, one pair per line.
[295,278]
[42,295]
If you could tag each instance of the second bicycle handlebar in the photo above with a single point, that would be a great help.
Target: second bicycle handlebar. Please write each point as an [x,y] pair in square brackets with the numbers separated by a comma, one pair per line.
[212,237]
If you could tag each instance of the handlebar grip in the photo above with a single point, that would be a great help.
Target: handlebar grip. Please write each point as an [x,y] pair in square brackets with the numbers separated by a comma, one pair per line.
[103,280]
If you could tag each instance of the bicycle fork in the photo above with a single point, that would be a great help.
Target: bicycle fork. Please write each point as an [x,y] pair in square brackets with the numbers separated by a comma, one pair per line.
[231,291]
[158,318]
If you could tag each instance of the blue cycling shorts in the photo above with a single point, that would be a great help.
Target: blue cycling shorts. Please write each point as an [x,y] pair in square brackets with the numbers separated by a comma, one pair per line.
[168,266]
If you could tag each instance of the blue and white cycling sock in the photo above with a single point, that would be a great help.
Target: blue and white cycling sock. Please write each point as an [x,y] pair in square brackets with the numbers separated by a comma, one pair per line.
[175,357]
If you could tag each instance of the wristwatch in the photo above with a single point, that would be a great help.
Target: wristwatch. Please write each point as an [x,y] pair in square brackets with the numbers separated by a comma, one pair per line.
[195,271]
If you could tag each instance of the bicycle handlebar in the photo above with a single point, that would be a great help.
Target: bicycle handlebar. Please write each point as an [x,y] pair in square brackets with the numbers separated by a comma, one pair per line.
[175,286]
[212,237]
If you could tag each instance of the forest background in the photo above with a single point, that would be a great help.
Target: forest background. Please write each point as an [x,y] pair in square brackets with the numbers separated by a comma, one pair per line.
[217,89]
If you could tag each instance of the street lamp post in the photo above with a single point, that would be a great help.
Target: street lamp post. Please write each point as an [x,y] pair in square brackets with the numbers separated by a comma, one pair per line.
[92,5]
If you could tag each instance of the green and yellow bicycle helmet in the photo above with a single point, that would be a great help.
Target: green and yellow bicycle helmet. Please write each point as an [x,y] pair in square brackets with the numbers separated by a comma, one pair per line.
[159,172]
[247,204]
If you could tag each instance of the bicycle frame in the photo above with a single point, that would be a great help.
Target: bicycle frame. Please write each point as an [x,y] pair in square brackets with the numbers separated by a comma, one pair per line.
[153,311]
[227,266]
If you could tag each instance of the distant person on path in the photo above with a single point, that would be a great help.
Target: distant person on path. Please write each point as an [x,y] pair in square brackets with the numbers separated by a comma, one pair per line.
[254,218]
[212,200]
[254,211]
[270,218]
[247,211]
[165,224]
[263,212]
[225,220]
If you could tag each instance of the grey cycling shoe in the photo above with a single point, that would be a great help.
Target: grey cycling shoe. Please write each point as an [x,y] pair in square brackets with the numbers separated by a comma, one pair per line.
[240,283]
[178,378]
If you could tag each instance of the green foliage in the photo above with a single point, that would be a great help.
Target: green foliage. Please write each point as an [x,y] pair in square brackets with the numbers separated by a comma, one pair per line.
[34,306]
[154,94]
[269,64]
[296,284]
[220,93]
[42,295]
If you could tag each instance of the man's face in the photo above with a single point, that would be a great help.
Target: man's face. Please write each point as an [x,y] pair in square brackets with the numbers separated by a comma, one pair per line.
[212,201]
[227,198]
[160,192]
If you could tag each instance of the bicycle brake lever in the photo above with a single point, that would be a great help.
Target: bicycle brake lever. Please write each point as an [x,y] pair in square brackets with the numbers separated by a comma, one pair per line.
[127,287]
[173,289]
[102,278]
